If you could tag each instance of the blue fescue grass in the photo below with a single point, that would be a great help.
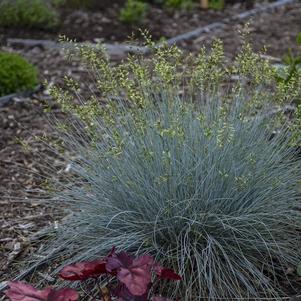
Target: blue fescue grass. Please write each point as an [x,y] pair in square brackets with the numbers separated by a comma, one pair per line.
[190,175]
[207,192]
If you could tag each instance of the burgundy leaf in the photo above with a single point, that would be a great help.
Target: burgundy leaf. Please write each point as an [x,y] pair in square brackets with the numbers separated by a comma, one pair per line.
[83,270]
[86,269]
[145,260]
[19,291]
[116,261]
[164,273]
[134,273]
[64,294]
[124,294]
[135,279]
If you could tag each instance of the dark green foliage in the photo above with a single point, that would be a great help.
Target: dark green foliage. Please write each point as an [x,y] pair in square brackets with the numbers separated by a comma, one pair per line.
[16,74]
[292,63]
[186,4]
[217,4]
[133,12]
[27,13]
[298,39]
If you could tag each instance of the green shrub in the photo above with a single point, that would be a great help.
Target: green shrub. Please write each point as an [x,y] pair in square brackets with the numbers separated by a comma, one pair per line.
[16,74]
[133,11]
[27,13]
[186,4]
[173,160]
[217,4]
[292,64]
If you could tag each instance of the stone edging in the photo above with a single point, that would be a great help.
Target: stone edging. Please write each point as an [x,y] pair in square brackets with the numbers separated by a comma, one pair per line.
[4,100]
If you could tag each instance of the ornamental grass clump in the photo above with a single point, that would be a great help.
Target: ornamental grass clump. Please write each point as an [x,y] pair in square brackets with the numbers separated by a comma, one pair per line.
[174,156]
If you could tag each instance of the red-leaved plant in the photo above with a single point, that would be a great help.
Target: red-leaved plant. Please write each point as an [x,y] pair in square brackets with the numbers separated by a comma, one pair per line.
[134,280]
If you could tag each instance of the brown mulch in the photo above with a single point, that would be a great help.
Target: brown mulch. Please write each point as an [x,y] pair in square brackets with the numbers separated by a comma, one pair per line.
[22,171]
[25,118]
[276,31]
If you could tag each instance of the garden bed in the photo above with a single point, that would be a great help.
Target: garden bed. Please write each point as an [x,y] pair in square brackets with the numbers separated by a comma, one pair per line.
[24,117]
[103,23]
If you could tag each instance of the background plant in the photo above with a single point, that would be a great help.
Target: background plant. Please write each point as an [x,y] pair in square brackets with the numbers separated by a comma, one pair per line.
[178,162]
[16,74]
[217,4]
[186,4]
[133,11]
[292,62]
[27,13]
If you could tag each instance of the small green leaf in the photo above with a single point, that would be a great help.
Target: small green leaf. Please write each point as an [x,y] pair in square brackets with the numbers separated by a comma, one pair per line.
[299,269]
[298,60]
[288,58]
[298,39]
